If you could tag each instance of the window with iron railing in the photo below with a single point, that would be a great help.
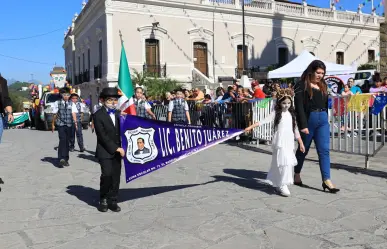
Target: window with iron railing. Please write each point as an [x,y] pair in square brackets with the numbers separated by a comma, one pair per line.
[156,70]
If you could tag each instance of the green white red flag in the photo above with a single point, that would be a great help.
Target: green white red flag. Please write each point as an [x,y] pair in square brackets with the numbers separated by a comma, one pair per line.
[125,102]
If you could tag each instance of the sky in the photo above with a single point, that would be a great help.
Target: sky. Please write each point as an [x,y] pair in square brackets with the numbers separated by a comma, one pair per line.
[34,58]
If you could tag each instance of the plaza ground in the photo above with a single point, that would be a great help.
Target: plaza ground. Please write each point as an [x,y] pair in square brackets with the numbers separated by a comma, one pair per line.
[216,199]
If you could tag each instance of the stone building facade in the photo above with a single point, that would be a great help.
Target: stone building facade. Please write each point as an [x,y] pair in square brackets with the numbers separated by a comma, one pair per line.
[198,41]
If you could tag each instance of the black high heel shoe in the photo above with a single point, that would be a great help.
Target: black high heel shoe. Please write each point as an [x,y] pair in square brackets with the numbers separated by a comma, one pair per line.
[300,184]
[331,190]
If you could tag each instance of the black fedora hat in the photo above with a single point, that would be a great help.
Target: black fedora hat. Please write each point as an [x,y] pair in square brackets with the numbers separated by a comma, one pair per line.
[109,92]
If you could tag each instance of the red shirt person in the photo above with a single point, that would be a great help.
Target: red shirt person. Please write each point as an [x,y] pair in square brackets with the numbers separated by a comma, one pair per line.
[258,92]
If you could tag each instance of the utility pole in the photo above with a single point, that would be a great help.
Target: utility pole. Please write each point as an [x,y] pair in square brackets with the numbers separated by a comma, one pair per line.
[244,39]
[213,41]
[244,81]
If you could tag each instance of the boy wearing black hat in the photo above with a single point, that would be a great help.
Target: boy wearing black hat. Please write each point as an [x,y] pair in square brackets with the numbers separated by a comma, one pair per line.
[64,118]
[75,99]
[109,151]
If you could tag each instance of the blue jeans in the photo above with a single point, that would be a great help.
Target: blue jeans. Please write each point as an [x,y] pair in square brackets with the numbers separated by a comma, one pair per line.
[318,126]
[79,134]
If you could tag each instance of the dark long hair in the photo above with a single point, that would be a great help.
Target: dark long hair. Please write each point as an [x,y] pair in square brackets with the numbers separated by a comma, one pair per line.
[278,112]
[309,73]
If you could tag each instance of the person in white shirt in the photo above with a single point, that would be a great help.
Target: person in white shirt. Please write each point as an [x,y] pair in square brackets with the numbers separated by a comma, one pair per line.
[143,108]
[65,115]
[178,111]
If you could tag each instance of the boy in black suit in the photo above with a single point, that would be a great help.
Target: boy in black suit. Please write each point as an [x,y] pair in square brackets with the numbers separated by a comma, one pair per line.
[109,151]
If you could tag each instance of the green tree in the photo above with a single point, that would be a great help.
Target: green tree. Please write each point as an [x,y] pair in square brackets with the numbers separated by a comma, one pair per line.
[17,101]
[367,66]
[155,86]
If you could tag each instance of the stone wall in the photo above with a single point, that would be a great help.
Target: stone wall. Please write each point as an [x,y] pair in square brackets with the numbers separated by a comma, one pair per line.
[383,50]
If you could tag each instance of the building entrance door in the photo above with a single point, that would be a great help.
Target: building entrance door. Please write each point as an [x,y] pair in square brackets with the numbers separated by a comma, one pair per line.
[200,57]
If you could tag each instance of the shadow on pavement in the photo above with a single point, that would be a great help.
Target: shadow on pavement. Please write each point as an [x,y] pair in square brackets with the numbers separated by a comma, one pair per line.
[337,166]
[88,157]
[248,147]
[91,196]
[90,152]
[249,183]
[358,170]
[52,160]
[247,174]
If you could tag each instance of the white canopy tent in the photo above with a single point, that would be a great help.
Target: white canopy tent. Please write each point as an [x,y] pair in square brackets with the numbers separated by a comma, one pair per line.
[296,67]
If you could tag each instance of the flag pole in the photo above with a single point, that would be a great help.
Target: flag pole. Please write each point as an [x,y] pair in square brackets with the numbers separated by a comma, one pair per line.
[120,33]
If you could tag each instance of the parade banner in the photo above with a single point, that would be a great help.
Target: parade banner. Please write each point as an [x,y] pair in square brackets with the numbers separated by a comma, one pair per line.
[150,145]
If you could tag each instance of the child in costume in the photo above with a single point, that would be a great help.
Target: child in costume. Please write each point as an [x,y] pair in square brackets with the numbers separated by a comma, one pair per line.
[285,132]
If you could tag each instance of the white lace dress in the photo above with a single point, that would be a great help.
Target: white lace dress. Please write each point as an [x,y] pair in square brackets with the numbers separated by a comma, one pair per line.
[283,158]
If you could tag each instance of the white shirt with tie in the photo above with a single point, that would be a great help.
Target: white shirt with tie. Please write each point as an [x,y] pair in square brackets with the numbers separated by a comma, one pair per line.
[112,116]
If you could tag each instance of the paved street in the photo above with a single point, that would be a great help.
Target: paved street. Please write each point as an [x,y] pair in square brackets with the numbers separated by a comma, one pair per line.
[216,199]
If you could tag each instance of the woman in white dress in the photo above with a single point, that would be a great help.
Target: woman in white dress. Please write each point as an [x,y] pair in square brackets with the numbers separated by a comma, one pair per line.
[285,132]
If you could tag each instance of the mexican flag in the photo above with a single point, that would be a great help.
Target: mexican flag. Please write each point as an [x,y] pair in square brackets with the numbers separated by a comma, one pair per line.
[125,102]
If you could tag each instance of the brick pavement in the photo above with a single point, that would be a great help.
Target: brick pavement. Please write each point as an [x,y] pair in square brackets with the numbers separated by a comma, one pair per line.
[216,199]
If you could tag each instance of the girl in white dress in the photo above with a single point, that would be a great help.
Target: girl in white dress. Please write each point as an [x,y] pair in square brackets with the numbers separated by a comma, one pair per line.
[285,132]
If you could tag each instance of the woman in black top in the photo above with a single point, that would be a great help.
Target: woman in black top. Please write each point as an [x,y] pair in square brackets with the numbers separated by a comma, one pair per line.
[311,103]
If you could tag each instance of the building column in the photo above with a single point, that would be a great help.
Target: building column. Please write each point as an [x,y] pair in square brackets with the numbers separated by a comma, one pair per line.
[111,74]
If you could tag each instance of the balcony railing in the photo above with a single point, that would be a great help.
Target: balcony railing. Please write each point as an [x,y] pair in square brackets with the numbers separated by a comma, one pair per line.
[157,70]
[97,72]
[249,72]
[299,10]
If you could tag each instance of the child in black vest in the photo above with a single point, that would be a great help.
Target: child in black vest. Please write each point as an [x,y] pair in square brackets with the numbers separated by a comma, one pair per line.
[178,111]
[64,118]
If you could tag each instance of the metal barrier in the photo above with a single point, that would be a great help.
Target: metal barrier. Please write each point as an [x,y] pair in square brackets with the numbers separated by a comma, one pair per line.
[358,133]
[227,115]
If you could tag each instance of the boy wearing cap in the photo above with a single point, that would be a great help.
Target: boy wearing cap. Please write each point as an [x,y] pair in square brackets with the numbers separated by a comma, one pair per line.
[64,118]
[109,151]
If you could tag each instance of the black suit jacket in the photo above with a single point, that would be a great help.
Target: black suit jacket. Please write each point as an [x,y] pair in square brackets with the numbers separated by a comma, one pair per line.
[108,135]
[5,100]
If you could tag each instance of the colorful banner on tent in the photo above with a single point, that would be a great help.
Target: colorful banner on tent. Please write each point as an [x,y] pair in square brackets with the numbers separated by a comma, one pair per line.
[151,145]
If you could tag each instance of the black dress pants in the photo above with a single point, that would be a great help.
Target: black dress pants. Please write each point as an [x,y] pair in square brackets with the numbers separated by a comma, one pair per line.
[64,133]
[110,177]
